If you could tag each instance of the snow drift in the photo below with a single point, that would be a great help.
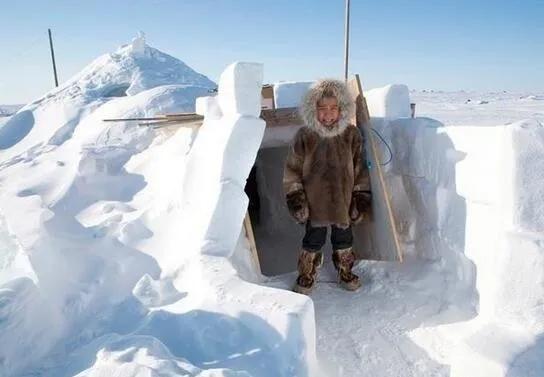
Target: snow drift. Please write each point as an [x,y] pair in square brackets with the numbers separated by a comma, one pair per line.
[98,250]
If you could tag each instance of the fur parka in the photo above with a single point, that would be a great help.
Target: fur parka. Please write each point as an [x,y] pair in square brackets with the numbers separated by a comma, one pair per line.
[324,166]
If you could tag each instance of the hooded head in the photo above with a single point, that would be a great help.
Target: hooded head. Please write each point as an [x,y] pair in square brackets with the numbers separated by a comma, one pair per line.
[321,92]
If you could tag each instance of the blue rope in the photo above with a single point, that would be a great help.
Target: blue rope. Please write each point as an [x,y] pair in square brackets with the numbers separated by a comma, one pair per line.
[388,148]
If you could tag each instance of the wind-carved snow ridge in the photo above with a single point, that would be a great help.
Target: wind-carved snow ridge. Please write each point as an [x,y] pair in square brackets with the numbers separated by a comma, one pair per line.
[138,43]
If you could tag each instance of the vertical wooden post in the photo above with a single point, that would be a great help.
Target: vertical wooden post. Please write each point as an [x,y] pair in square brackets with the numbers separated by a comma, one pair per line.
[363,118]
[53,58]
[252,245]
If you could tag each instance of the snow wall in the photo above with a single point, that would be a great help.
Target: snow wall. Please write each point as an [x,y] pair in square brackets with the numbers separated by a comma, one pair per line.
[213,197]
[467,196]
[469,199]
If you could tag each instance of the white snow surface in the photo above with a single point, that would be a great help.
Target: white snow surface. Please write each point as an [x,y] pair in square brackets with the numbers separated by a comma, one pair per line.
[8,110]
[290,93]
[121,245]
[130,70]
[469,108]
[122,250]
[389,102]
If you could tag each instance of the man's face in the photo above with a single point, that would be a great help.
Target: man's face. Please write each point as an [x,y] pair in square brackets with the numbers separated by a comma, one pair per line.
[328,111]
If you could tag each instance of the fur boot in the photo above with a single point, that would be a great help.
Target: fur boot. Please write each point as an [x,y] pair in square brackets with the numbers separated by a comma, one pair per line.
[344,260]
[308,265]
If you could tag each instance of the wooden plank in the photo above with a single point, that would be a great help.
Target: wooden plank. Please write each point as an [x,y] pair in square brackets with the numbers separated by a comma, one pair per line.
[267,97]
[181,115]
[156,125]
[273,117]
[252,244]
[159,117]
[288,116]
[134,119]
[184,117]
[189,119]
[362,118]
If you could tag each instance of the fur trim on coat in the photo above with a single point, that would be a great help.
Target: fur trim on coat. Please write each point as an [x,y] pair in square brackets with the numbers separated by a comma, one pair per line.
[321,89]
[327,164]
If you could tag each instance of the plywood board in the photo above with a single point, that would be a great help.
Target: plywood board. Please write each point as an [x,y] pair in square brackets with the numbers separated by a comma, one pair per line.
[377,237]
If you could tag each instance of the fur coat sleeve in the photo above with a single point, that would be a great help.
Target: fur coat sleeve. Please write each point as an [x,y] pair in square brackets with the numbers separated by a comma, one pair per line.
[325,172]
[361,175]
[292,174]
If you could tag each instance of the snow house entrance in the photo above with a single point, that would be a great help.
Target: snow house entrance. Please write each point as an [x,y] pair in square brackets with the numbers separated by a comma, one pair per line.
[278,238]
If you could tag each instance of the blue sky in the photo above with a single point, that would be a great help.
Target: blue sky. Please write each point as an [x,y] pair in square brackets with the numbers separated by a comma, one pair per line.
[441,44]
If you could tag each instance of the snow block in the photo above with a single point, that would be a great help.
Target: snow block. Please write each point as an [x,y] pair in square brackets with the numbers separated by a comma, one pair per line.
[208,106]
[238,157]
[283,323]
[226,221]
[290,94]
[391,102]
[519,265]
[240,89]
[220,161]
[477,160]
[214,186]
[524,177]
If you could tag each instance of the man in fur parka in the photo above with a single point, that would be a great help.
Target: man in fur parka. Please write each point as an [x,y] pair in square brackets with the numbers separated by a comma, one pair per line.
[325,182]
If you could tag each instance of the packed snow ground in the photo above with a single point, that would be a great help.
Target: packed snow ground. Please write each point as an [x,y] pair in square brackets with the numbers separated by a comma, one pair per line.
[121,252]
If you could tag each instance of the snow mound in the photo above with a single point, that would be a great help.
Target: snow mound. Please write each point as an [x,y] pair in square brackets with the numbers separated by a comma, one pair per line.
[67,217]
[132,69]
[121,246]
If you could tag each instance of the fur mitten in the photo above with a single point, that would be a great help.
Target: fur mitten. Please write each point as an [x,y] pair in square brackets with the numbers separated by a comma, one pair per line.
[298,206]
[361,202]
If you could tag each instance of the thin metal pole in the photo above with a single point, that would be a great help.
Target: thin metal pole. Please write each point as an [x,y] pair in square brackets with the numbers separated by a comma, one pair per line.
[346,39]
[53,58]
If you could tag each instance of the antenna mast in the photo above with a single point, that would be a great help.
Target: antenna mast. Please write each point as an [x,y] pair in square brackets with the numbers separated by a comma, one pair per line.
[346,39]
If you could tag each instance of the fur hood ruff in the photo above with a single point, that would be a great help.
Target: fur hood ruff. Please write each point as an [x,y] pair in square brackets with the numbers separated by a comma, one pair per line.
[321,89]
